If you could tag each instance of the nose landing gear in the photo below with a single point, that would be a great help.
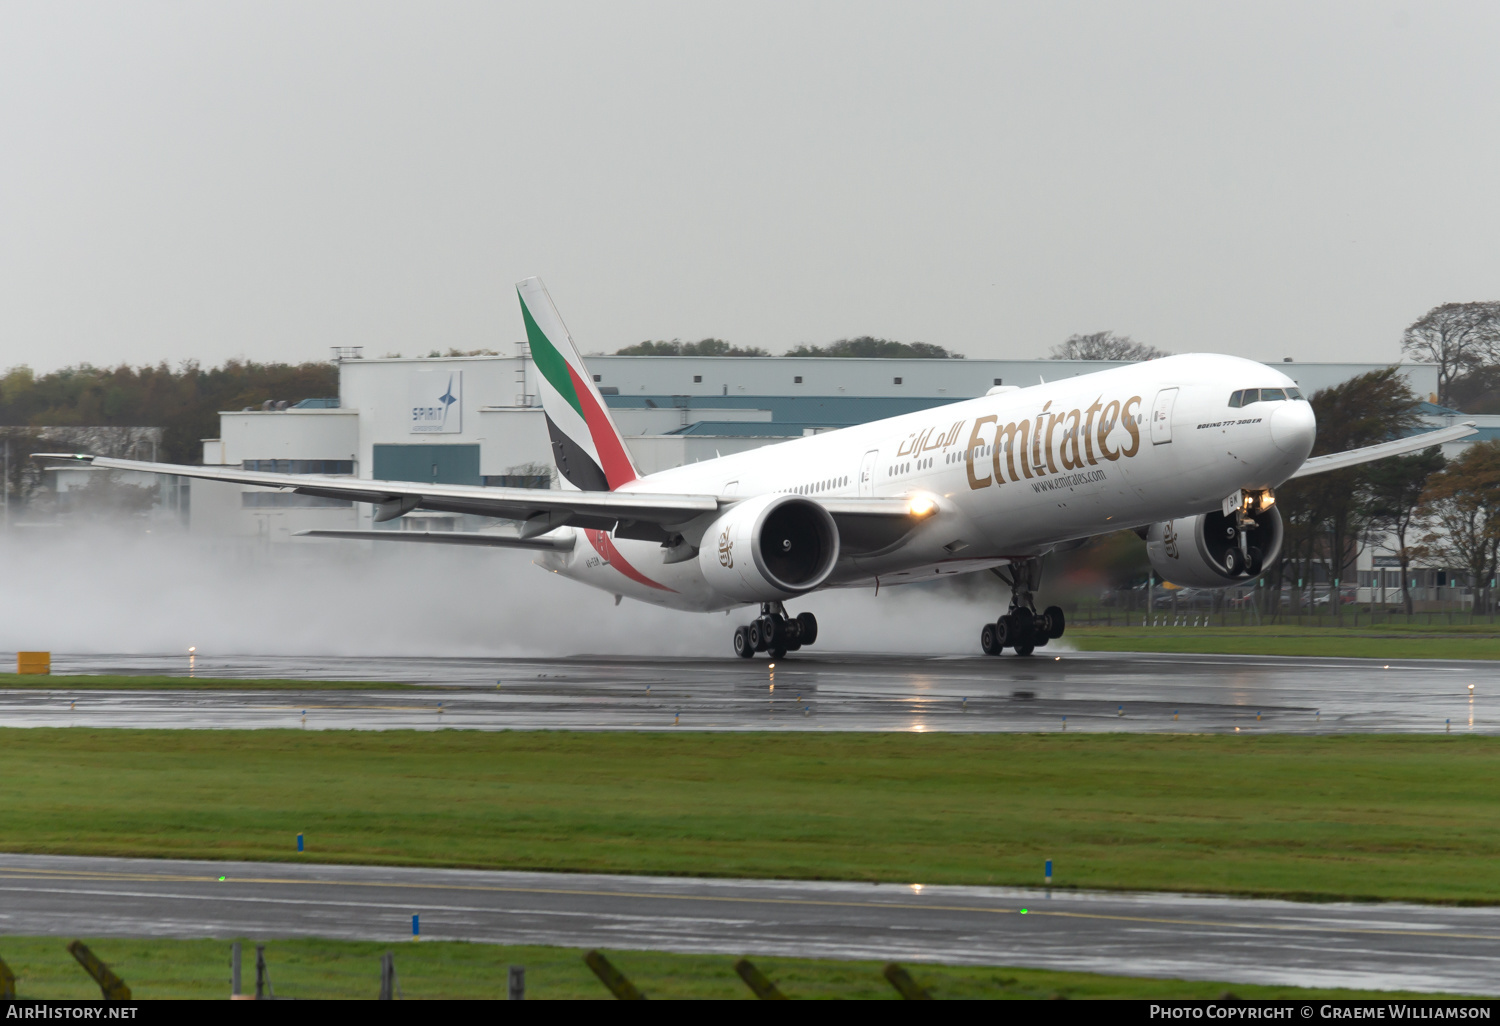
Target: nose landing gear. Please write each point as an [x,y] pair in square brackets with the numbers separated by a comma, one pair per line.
[775,632]
[1022,628]
[1242,556]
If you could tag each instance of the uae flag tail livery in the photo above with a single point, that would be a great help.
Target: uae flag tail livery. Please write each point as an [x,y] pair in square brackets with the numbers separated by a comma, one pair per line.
[586,446]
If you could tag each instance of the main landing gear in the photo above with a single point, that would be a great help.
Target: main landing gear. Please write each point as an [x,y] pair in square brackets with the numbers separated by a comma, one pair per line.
[1022,628]
[775,632]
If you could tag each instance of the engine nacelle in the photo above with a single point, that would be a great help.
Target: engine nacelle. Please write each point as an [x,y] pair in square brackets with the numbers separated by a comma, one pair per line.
[768,548]
[1204,551]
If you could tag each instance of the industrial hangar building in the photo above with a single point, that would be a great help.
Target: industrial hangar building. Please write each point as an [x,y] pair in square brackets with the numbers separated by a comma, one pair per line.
[476,420]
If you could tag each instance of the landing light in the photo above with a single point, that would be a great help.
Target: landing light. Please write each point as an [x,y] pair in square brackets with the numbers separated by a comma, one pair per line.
[921,506]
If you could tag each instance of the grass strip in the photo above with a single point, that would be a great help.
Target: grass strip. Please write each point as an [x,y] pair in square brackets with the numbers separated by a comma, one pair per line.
[125,682]
[316,968]
[1330,817]
[1363,642]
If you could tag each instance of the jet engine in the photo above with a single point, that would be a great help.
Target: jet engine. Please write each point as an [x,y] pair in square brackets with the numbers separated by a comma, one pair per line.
[1214,550]
[769,548]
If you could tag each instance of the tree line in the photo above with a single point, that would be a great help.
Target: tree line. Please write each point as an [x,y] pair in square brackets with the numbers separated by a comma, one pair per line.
[864,347]
[183,401]
[1462,339]
[1436,511]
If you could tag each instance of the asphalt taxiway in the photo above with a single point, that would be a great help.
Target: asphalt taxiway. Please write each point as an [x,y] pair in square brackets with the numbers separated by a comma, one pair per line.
[1379,946]
[1096,691]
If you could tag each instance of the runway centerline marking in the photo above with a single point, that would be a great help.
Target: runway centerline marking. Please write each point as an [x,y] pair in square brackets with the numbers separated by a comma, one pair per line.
[807,902]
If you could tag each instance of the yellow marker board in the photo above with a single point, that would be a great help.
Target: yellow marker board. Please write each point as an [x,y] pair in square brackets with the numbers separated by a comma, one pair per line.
[34,662]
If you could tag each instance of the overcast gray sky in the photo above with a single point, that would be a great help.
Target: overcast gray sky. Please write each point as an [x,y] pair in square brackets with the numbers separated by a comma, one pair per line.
[191,180]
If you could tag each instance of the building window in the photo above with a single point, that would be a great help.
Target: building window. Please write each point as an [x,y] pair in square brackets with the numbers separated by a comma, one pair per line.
[895,381]
[697,379]
[797,380]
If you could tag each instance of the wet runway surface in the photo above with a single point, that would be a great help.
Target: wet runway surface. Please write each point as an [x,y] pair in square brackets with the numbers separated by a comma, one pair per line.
[1386,946]
[1074,691]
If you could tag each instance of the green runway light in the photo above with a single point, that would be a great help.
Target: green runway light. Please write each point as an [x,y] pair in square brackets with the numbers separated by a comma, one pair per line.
[1023,911]
[221,879]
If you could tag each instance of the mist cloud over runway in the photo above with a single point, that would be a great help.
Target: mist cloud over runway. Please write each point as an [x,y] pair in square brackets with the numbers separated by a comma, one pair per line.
[91,591]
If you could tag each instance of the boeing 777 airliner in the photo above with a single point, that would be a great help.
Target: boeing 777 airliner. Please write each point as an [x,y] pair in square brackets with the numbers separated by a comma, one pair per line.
[1187,450]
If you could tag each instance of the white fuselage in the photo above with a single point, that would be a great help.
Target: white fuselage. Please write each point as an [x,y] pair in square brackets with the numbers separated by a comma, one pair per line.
[1013,474]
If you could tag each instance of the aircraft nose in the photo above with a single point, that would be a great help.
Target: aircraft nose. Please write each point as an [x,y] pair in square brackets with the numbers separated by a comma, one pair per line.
[1294,428]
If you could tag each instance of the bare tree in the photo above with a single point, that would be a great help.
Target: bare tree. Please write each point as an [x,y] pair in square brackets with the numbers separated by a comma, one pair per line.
[1393,505]
[1105,345]
[1464,501]
[1458,337]
[119,442]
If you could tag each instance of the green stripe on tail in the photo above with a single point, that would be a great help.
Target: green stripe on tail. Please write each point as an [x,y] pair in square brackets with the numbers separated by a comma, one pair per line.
[549,361]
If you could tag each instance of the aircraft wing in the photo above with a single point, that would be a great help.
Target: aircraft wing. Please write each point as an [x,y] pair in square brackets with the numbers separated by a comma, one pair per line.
[1354,457]
[540,509]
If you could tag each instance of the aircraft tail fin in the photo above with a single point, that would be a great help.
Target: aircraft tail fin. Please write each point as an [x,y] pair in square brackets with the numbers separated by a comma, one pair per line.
[587,448]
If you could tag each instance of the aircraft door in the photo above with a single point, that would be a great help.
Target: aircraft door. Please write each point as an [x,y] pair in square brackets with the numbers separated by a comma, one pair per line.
[1161,416]
[867,474]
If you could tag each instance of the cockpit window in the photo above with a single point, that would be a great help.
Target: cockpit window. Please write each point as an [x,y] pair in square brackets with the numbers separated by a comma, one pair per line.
[1246,396]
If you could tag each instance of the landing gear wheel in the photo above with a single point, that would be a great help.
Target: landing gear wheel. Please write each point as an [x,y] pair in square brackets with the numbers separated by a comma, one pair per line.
[809,628]
[1233,564]
[988,641]
[1252,566]
[777,653]
[1054,621]
[1025,640]
[756,638]
[773,631]
[743,647]
[1005,633]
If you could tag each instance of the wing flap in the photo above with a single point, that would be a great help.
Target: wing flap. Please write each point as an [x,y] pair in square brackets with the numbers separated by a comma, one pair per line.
[474,538]
[1397,447]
